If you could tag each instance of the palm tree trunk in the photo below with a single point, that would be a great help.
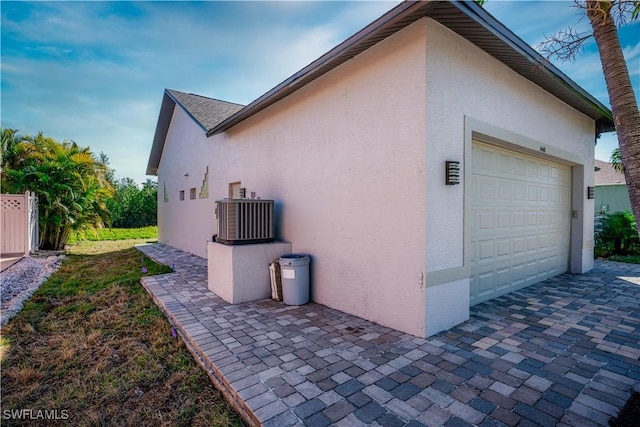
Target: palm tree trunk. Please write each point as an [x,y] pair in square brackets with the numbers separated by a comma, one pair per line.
[621,96]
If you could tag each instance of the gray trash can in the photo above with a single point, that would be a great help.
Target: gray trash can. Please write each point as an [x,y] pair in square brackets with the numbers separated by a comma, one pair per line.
[295,278]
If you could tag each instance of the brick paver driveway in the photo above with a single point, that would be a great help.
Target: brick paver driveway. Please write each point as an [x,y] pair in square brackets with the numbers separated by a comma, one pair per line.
[563,352]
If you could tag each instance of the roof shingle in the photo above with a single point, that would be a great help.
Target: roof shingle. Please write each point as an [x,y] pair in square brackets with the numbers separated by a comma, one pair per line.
[208,112]
[607,175]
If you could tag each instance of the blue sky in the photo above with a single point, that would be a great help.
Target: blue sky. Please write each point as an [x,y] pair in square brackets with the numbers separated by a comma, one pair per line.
[95,72]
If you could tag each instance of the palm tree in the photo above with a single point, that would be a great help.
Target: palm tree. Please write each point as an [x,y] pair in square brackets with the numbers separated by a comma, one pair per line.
[70,184]
[621,95]
[9,141]
[616,160]
[604,16]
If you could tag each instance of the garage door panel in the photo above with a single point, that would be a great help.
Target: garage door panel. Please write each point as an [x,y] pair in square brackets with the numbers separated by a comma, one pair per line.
[555,218]
[503,248]
[503,220]
[484,282]
[504,192]
[532,194]
[543,218]
[502,278]
[520,221]
[486,191]
[544,195]
[532,270]
[485,251]
[485,221]
[485,159]
[543,242]
[518,217]
[519,245]
[544,172]
[505,165]
[559,175]
[518,272]
[519,167]
[519,192]
[544,266]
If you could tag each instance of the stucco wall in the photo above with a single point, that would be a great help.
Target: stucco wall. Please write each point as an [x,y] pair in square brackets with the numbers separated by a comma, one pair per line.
[463,81]
[344,158]
[187,224]
[355,162]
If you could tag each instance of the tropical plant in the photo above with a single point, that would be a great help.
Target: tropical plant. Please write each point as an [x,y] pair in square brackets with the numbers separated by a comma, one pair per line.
[68,180]
[616,160]
[616,234]
[604,17]
[10,139]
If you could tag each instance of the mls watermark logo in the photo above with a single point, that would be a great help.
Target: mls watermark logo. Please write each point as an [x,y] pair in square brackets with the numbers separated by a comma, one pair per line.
[35,414]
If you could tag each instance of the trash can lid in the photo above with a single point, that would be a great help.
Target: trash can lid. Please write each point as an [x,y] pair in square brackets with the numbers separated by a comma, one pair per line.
[295,259]
[294,256]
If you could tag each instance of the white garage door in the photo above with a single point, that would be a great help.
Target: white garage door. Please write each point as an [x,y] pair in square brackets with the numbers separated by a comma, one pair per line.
[519,223]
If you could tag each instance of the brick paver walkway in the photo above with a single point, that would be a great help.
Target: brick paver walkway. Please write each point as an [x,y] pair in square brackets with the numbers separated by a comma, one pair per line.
[563,352]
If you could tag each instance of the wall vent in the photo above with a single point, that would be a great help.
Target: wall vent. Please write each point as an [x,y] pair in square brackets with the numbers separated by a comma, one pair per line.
[245,221]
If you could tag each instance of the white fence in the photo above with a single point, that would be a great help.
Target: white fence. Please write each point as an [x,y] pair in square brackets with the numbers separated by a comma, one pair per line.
[19,223]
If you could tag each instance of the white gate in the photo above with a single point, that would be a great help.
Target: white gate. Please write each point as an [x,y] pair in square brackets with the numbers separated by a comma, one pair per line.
[19,223]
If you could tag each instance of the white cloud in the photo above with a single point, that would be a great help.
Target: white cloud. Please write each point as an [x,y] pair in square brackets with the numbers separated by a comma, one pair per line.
[94,72]
[632,56]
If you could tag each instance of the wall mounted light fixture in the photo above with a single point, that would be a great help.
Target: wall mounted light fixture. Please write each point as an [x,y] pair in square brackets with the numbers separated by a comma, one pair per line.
[452,172]
[591,193]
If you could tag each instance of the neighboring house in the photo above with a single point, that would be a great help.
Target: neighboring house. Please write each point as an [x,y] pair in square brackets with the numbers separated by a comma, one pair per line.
[611,190]
[353,149]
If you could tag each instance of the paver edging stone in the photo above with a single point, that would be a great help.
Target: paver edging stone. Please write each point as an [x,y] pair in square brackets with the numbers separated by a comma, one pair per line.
[216,377]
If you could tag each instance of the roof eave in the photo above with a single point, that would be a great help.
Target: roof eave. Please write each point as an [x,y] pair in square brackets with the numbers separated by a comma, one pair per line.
[162,127]
[604,123]
[368,36]
[400,17]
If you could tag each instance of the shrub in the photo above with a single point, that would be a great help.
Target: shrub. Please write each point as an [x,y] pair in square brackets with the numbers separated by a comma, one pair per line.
[132,206]
[616,234]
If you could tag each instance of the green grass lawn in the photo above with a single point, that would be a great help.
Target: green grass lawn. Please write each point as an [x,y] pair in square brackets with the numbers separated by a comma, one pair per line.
[631,259]
[92,343]
[100,234]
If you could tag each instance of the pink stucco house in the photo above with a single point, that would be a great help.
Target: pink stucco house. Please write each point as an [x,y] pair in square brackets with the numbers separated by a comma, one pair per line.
[353,148]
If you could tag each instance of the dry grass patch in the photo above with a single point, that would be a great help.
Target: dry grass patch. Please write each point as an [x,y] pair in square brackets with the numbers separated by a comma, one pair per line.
[91,342]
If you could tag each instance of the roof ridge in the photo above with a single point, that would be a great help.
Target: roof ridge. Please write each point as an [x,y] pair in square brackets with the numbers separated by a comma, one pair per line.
[202,96]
